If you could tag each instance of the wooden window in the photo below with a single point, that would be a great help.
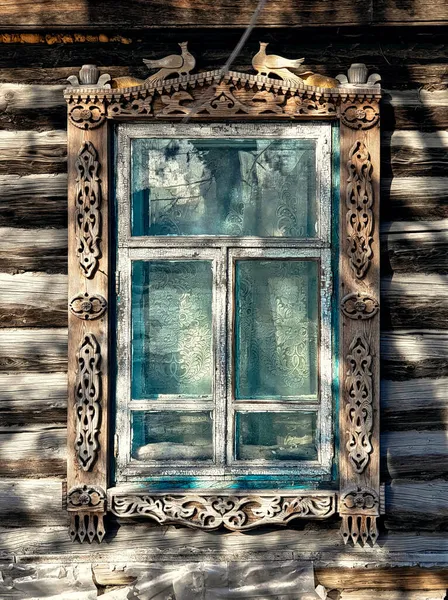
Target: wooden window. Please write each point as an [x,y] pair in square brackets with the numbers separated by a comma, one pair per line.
[224,256]
[231,347]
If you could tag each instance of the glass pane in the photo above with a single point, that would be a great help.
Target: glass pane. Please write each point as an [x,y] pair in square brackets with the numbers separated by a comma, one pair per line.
[171,328]
[172,435]
[276,326]
[260,187]
[276,436]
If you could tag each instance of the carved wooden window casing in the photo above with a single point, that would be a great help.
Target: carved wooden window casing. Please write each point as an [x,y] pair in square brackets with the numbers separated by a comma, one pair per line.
[236,275]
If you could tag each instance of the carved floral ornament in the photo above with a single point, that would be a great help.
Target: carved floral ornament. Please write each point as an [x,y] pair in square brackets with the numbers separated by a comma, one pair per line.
[281,88]
[236,513]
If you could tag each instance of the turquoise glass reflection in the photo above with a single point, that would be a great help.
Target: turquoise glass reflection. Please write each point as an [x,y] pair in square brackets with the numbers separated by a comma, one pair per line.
[172,435]
[238,187]
[276,436]
[276,327]
[171,328]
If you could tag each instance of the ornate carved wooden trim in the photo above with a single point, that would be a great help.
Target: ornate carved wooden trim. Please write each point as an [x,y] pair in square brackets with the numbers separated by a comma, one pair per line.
[88,207]
[233,512]
[359,507]
[359,403]
[359,200]
[87,506]
[87,306]
[88,401]
[359,290]
[88,283]
[173,93]
[359,306]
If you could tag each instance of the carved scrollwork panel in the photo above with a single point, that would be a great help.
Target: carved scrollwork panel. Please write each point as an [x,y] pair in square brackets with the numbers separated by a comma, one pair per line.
[88,402]
[359,202]
[359,306]
[236,513]
[88,210]
[88,306]
[358,406]
[360,116]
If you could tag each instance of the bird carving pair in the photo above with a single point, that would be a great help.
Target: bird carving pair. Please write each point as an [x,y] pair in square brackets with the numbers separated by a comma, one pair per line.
[264,64]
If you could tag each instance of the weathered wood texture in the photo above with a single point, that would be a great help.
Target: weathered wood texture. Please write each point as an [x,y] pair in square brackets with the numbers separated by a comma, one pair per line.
[33,451]
[31,350]
[392,595]
[414,403]
[19,14]
[33,300]
[33,200]
[30,398]
[29,152]
[145,542]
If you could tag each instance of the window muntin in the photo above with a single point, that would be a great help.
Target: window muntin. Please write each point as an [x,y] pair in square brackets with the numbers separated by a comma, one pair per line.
[295,451]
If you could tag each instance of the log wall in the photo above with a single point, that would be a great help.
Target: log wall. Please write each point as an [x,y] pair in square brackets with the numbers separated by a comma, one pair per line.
[414,243]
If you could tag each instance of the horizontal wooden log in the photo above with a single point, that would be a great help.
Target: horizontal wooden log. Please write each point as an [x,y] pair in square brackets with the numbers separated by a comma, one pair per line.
[419,504]
[407,453]
[414,301]
[174,13]
[40,200]
[368,594]
[409,354]
[145,542]
[33,451]
[414,247]
[336,578]
[25,502]
[33,350]
[30,152]
[414,404]
[33,201]
[40,300]
[42,107]
[403,578]
[33,300]
[414,153]
[33,250]
[30,398]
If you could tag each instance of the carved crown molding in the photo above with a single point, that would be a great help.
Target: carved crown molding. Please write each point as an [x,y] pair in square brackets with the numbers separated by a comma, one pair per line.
[221,93]
[230,511]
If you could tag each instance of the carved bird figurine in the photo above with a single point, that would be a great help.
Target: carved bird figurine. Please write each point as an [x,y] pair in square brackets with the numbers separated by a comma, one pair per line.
[271,63]
[174,63]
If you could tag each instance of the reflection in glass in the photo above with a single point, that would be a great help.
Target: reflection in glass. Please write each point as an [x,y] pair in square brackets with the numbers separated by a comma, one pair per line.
[172,435]
[276,325]
[254,187]
[276,436]
[171,328]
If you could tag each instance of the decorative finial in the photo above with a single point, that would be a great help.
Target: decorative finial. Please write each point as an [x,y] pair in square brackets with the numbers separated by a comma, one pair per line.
[181,64]
[89,76]
[265,64]
[357,75]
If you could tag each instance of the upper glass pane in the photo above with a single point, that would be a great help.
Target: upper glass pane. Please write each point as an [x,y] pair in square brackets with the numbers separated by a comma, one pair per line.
[276,327]
[171,328]
[235,187]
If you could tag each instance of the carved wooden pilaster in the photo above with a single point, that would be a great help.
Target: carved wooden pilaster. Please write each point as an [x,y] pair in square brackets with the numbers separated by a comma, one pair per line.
[359,503]
[87,316]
